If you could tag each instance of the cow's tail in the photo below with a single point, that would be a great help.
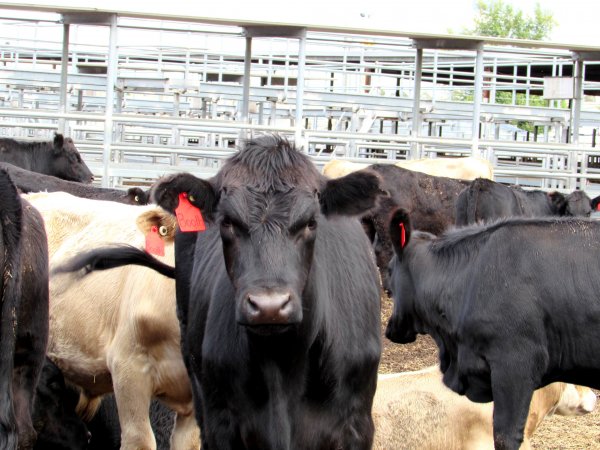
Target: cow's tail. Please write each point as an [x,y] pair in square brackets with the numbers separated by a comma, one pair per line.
[111,257]
[11,215]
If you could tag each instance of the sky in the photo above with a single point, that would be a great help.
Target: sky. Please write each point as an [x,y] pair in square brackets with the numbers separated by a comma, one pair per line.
[576,20]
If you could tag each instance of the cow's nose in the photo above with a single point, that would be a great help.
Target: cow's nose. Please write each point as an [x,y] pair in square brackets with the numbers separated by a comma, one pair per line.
[269,309]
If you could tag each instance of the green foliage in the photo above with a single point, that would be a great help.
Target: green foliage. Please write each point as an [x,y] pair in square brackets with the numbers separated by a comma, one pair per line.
[500,19]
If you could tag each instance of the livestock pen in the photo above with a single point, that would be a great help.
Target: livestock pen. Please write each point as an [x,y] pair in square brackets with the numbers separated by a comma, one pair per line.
[137,112]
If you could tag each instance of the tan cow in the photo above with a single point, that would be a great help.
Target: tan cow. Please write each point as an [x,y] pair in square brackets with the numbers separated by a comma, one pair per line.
[464,168]
[415,410]
[117,330]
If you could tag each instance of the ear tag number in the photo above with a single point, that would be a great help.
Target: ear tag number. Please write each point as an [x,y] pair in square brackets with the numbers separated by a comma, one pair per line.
[154,244]
[189,217]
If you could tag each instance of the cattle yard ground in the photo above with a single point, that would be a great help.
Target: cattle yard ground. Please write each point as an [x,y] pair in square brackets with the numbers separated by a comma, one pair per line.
[555,433]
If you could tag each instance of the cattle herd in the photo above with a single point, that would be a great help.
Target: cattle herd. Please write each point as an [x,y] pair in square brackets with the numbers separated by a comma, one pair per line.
[243,311]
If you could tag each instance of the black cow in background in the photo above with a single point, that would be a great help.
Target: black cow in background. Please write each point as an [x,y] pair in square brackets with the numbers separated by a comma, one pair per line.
[512,306]
[28,181]
[278,300]
[59,158]
[24,327]
[485,200]
[429,199]
[54,418]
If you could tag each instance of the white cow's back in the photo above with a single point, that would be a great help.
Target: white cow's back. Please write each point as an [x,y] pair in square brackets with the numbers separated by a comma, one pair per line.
[416,411]
[463,168]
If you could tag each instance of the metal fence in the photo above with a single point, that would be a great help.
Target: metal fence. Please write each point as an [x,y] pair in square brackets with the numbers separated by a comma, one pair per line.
[178,107]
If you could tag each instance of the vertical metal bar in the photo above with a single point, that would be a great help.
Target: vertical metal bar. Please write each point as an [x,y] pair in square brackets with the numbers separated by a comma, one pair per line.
[300,91]
[416,116]
[514,82]
[246,86]
[575,116]
[577,96]
[273,118]
[64,65]
[434,81]
[494,81]
[111,80]
[477,94]
[286,72]
[528,88]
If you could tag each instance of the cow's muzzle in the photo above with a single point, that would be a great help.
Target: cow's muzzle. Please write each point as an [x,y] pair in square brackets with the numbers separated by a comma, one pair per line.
[272,308]
[399,334]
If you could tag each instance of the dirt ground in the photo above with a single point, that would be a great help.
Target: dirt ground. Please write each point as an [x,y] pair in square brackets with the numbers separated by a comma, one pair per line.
[555,433]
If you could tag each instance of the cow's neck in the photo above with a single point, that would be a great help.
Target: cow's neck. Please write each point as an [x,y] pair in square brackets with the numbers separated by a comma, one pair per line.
[38,157]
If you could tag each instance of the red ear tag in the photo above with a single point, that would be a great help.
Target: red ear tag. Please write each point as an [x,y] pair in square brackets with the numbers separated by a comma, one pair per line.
[598,207]
[189,217]
[402,236]
[154,244]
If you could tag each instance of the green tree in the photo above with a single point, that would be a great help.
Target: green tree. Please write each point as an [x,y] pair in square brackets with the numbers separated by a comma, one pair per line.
[500,19]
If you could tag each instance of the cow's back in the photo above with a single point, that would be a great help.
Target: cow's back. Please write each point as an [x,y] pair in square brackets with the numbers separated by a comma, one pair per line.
[337,168]
[15,152]
[462,168]
[414,410]
[430,200]
[485,200]
[551,295]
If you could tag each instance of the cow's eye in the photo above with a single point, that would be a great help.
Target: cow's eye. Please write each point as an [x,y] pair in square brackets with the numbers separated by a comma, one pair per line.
[311,224]
[226,222]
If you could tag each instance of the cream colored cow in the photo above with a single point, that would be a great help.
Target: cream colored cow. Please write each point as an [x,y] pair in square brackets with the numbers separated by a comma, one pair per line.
[464,168]
[117,330]
[415,410]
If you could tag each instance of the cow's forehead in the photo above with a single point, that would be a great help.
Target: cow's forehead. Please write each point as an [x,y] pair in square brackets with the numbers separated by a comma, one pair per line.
[254,206]
[270,173]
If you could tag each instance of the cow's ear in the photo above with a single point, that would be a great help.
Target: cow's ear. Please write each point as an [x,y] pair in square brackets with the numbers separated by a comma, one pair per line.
[200,193]
[165,223]
[558,202]
[595,203]
[351,195]
[400,230]
[59,141]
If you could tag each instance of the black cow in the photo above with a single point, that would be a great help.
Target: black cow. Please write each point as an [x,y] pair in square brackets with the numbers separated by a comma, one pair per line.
[57,424]
[429,199]
[512,306]
[28,181]
[10,257]
[58,158]
[24,333]
[278,301]
[485,200]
